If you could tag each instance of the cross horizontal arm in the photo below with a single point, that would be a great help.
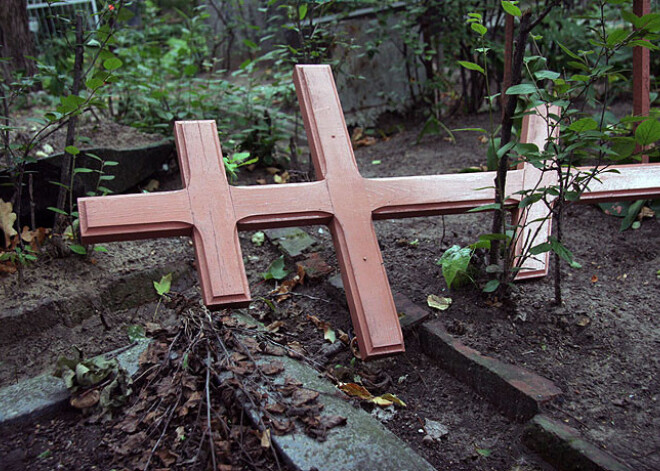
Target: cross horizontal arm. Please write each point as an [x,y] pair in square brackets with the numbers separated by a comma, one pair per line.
[434,195]
[129,217]
[635,181]
[269,206]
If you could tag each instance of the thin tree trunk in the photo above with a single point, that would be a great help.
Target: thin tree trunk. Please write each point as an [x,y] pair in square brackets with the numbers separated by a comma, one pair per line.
[15,39]
[66,174]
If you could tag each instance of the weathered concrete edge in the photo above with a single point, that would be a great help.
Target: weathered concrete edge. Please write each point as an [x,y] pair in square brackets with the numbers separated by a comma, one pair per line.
[45,393]
[125,292]
[517,392]
[564,447]
[363,443]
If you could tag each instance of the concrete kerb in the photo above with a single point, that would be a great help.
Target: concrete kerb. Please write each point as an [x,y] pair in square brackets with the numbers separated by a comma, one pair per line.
[45,393]
[517,392]
[564,447]
[362,444]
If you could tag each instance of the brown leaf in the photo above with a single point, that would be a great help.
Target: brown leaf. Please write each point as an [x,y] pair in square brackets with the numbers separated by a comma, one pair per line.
[7,219]
[343,337]
[295,349]
[270,349]
[242,368]
[303,396]
[272,368]
[167,456]
[594,279]
[265,439]
[355,390]
[86,400]
[281,427]
[7,267]
[276,408]
[274,326]
[331,421]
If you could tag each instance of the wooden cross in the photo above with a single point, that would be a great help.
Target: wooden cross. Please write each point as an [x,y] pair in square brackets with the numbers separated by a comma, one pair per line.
[212,212]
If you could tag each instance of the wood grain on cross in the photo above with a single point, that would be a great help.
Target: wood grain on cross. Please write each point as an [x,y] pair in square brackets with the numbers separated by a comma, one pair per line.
[212,212]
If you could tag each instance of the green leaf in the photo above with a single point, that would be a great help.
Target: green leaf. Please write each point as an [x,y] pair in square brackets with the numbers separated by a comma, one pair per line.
[258,238]
[79,249]
[302,11]
[135,332]
[276,270]
[511,9]
[57,210]
[485,207]
[454,263]
[94,83]
[541,248]
[471,66]
[648,132]
[112,64]
[163,286]
[479,28]
[250,44]
[485,452]
[100,248]
[546,74]
[190,70]
[563,252]
[73,150]
[82,170]
[521,89]
[491,286]
[631,215]
[568,51]
[584,124]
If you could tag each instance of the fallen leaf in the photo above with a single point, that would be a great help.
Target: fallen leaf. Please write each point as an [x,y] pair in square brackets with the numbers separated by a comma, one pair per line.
[393,399]
[86,400]
[355,390]
[303,396]
[645,212]
[265,439]
[272,368]
[483,139]
[152,185]
[438,302]
[7,219]
[282,427]
[583,321]
[274,326]
[594,279]
[329,334]
[272,170]
[331,421]
[276,408]
[167,456]
[343,337]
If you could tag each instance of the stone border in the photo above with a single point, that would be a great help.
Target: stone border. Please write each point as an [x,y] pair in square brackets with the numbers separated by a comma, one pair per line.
[564,447]
[517,392]
[45,393]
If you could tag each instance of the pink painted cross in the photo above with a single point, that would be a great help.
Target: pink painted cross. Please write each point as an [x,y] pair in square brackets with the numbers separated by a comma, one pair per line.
[212,212]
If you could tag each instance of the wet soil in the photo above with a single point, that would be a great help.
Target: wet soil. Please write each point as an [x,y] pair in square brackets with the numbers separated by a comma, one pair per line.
[599,347]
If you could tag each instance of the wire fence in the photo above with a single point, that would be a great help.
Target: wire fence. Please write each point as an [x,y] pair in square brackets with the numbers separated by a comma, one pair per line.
[49,18]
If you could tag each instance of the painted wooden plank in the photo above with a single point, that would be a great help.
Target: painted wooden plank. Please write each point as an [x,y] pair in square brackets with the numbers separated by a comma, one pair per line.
[212,212]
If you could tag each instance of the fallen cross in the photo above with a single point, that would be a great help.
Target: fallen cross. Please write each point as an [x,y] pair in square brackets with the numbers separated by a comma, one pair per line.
[212,211]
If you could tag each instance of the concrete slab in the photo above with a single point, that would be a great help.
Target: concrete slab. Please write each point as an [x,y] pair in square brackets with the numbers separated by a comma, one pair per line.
[45,393]
[410,314]
[362,444]
[565,448]
[293,241]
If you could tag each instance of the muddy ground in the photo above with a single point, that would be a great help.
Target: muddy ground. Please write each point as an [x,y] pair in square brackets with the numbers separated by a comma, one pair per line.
[600,347]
